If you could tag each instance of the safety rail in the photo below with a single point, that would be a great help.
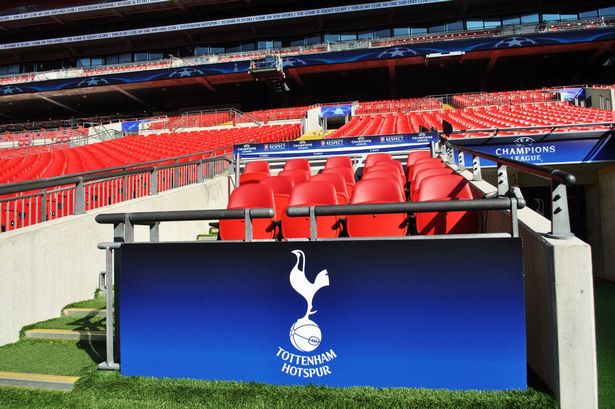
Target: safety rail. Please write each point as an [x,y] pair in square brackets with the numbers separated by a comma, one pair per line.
[560,219]
[497,130]
[37,201]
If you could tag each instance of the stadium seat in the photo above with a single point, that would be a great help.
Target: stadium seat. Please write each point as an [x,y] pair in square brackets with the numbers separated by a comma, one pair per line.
[386,165]
[347,173]
[376,157]
[257,166]
[425,173]
[252,195]
[339,183]
[282,186]
[311,194]
[413,157]
[297,164]
[251,177]
[387,173]
[339,162]
[378,190]
[443,188]
[427,163]
[297,175]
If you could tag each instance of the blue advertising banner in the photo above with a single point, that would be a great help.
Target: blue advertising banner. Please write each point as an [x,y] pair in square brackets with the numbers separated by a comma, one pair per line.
[131,126]
[352,56]
[386,313]
[336,146]
[335,110]
[555,148]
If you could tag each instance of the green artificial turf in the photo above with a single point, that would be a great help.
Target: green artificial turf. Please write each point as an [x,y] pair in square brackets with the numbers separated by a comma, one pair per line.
[110,390]
[98,301]
[51,357]
[70,322]
[605,342]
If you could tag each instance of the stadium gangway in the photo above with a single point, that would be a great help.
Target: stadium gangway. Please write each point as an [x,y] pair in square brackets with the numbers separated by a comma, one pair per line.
[50,198]
[560,220]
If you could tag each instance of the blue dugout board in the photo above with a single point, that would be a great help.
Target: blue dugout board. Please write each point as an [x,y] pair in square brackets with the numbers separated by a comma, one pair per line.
[386,313]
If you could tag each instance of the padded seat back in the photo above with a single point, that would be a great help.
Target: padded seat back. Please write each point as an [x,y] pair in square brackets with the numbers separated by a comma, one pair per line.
[297,164]
[425,173]
[249,196]
[338,182]
[251,177]
[372,158]
[442,188]
[311,194]
[422,164]
[258,166]
[297,175]
[282,186]
[339,162]
[377,190]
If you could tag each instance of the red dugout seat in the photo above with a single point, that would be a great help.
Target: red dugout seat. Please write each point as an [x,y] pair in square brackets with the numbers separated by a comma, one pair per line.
[425,173]
[338,182]
[422,164]
[377,191]
[311,194]
[339,162]
[441,188]
[282,186]
[376,157]
[347,174]
[251,177]
[413,157]
[297,175]
[249,196]
[297,164]
[258,166]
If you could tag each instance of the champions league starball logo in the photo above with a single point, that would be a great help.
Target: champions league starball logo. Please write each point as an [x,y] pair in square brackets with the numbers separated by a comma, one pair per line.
[93,82]
[9,90]
[185,72]
[397,52]
[305,335]
[515,42]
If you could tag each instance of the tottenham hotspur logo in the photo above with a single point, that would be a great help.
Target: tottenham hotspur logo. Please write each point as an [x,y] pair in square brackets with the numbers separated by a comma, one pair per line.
[305,334]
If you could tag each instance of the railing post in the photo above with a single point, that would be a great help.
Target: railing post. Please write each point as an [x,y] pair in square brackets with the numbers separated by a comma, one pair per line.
[236,167]
[129,230]
[502,179]
[560,217]
[176,174]
[109,363]
[199,176]
[154,232]
[313,225]
[476,170]
[80,197]
[248,225]
[124,188]
[43,206]
[461,164]
[450,157]
[153,182]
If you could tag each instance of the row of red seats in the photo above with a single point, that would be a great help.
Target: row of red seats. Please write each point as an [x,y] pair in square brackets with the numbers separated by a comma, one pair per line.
[123,151]
[197,120]
[277,114]
[501,98]
[383,181]
[534,114]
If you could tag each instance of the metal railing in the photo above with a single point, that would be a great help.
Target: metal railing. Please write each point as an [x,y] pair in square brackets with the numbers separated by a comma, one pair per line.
[26,203]
[560,219]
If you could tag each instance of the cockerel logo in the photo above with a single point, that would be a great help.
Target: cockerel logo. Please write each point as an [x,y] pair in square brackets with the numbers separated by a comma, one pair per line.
[305,335]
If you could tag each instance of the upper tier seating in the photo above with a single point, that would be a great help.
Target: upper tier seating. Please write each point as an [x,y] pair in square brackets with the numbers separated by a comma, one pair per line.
[503,98]
[278,114]
[491,117]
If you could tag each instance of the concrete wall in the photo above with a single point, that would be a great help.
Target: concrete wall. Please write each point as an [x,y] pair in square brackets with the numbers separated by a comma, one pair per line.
[606,183]
[46,266]
[561,346]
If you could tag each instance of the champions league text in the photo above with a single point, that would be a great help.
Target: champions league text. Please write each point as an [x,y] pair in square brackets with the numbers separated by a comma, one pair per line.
[304,363]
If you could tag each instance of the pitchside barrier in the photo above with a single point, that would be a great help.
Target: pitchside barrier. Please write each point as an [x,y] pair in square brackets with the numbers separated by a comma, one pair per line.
[444,311]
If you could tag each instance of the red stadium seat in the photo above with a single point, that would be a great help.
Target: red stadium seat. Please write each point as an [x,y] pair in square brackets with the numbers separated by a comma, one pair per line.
[376,157]
[377,191]
[249,196]
[441,188]
[297,175]
[425,173]
[339,183]
[258,166]
[251,177]
[413,157]
[339,162]
[282,186]
[385,165]
[425,164]
[347,173]
[297,164]
[386,174]
[311,194]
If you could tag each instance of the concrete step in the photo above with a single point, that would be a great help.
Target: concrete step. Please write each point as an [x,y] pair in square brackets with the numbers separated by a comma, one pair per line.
[86,312]
[32,380]
[72,335]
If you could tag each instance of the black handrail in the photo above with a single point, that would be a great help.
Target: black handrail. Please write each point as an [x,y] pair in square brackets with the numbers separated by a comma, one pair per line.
[500,203]
[148,218]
